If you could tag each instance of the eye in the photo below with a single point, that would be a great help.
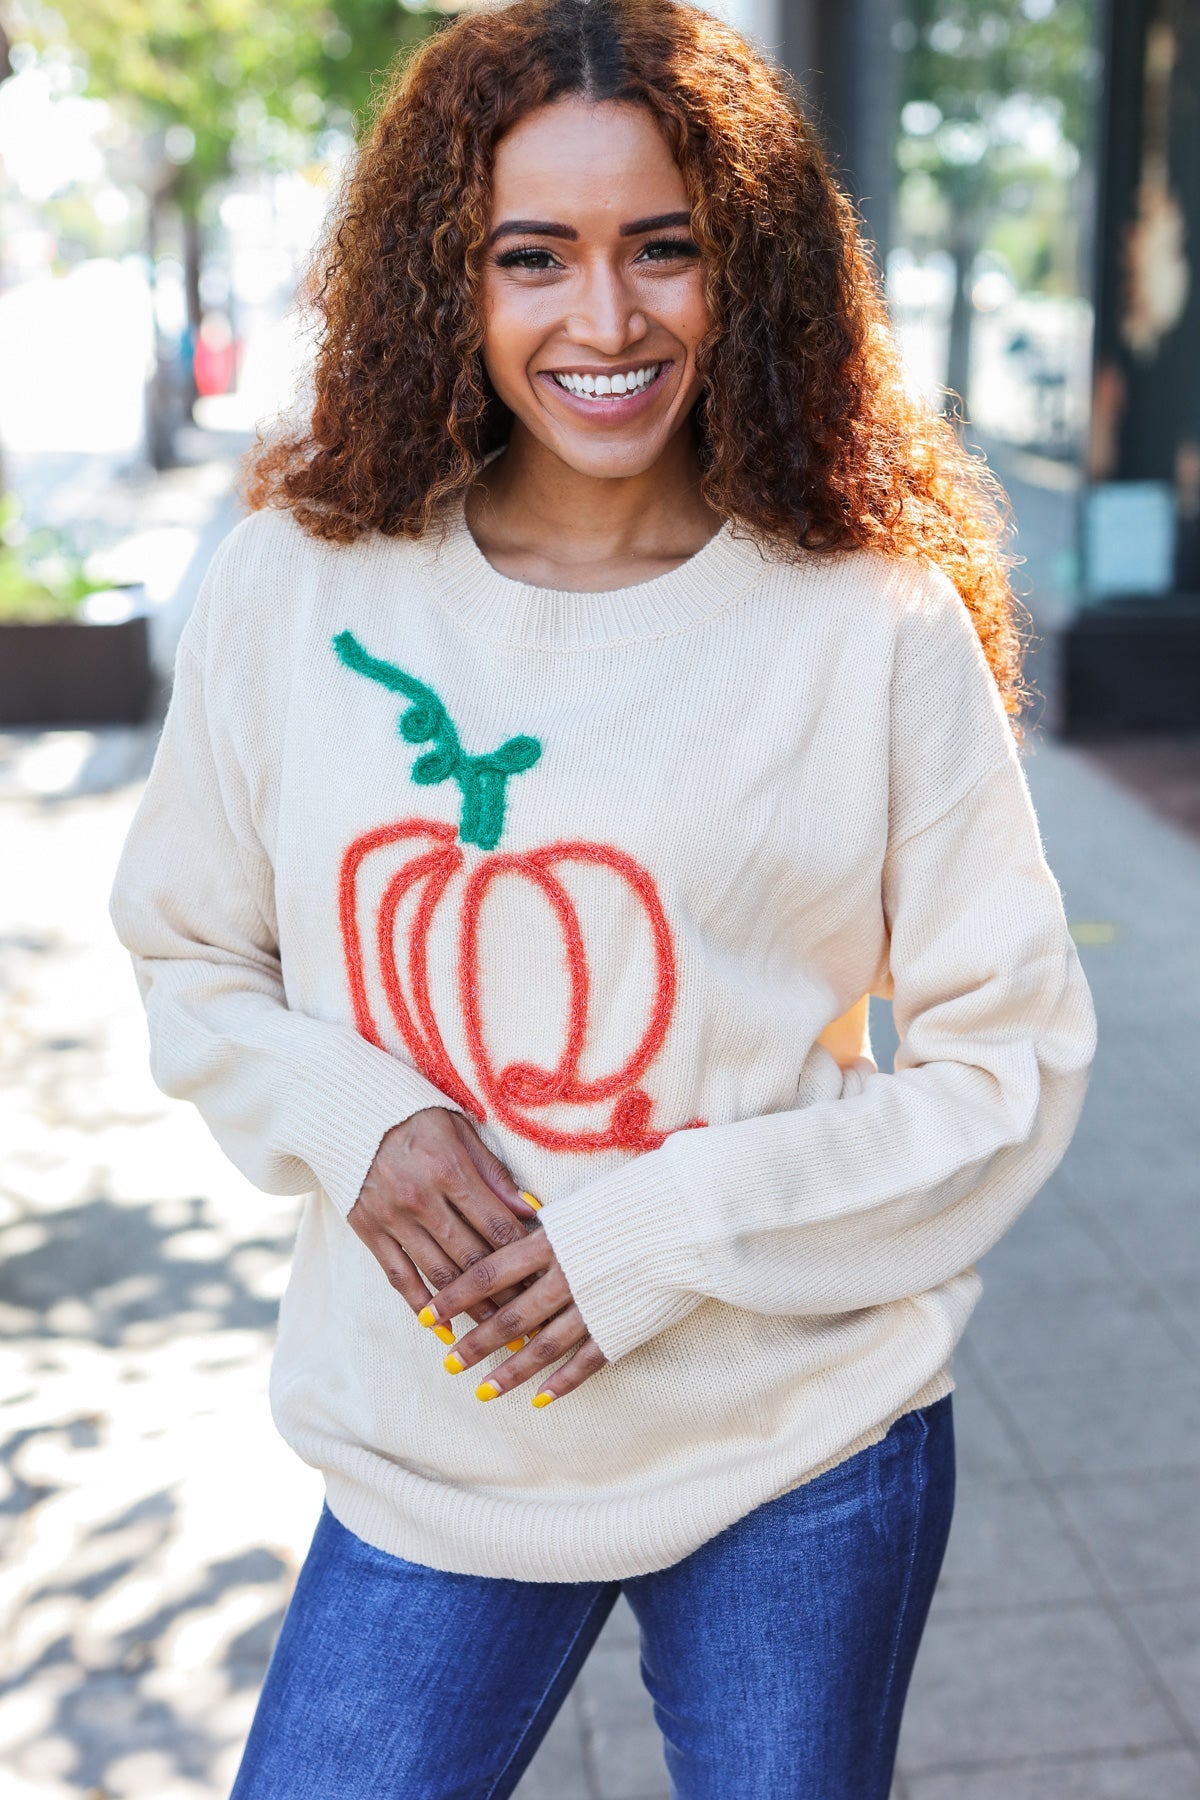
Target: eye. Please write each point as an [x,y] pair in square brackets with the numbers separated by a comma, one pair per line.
[669,250]
[527,256]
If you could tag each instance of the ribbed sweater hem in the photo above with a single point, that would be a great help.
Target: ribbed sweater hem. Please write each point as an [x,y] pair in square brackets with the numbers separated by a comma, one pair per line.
[466,1532]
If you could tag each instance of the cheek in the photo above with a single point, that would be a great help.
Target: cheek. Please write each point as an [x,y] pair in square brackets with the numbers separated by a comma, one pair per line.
[513,327]
[694,316]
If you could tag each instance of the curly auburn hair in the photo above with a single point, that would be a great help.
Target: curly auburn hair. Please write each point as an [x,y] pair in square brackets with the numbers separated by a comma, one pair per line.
[808,432]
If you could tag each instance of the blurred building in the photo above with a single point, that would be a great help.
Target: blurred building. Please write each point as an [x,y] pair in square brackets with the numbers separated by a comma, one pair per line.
[1132,656]
[1127,649]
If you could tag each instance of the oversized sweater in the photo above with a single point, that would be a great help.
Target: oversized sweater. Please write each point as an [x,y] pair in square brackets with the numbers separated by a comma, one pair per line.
[613,874]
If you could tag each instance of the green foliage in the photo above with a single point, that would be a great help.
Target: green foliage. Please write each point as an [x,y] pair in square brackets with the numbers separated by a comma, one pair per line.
[41,576]
[215,69]
[978,76]
[970,54]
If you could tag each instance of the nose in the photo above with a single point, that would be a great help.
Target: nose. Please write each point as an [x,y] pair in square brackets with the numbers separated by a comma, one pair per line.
[607,315]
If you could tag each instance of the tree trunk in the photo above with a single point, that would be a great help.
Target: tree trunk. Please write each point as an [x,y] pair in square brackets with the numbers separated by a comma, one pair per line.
[193,262]
[161,404]
[963,248]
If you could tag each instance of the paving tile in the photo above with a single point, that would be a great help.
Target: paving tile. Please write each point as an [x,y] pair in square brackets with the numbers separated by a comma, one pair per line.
[1180,1294]
[984,1447]
[1156,1228]
[1170,1630]
[995,1687]
[1119,1158]
[620,1627]
[624,1742]
[1049,1244]
[1148,1775]
[1144,1530]
[1099,1330]
[1147,1420]
[558,1771]
[1007,1548]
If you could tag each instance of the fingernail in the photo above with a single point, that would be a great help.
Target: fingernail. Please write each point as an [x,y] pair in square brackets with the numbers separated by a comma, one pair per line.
[444,1332]
[515,1344]
[454,1363]
[487,1390]
[536,1204]
[427,1316]
[543,1399]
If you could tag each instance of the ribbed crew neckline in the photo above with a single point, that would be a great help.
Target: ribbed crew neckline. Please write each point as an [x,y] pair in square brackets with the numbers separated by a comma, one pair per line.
[491,605]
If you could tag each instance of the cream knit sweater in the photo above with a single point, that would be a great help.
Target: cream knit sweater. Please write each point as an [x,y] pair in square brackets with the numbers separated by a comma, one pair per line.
[613,873]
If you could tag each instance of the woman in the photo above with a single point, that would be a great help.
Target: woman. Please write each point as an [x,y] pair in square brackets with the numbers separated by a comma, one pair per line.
[609,691]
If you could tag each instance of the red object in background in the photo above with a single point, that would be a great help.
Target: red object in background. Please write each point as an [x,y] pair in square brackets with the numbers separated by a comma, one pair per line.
[215,361]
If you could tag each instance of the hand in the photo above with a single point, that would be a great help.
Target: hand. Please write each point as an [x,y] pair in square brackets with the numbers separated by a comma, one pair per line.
[543,1309]
[434,1202]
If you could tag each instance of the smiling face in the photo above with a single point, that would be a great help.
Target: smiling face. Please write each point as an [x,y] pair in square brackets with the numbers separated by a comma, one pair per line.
[593,293]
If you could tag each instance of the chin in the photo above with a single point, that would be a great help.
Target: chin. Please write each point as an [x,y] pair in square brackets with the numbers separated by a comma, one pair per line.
[610,462]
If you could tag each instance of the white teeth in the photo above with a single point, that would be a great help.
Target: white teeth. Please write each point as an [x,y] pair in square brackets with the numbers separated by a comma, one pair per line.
[629,381]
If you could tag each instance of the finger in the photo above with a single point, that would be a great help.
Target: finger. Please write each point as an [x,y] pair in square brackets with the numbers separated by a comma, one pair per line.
[556,1338]
[467,1248]
[489,1276]
[493,1171]
[587,1360]
[438,1270]
[399,1268]
[514,1321]
[428,1256]
[442,1250]
[455,1180]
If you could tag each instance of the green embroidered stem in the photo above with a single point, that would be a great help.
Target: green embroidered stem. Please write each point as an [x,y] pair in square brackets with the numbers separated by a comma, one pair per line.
[425,721]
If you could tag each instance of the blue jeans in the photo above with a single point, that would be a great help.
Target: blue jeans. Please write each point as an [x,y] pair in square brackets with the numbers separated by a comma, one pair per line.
[777,1655]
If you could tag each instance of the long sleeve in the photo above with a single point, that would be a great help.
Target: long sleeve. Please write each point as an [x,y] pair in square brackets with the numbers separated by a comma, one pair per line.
[878,1186]
[294,1101]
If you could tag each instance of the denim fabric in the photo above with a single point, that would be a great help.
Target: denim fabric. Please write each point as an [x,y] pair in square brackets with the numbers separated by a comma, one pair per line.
[777,1655]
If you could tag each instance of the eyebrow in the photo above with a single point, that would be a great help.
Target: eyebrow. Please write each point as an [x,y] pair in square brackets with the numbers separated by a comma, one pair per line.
[551,228]
[533,228]
[660,222]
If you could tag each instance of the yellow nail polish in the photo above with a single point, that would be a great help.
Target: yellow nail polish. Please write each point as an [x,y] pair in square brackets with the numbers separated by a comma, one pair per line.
[487,1390]
[543,1399]
[454,1363]
[536,1204]
[515,1344]
[427,1316]
[444,1332]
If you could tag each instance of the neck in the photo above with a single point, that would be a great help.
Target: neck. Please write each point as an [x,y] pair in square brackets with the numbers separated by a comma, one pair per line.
[538,519]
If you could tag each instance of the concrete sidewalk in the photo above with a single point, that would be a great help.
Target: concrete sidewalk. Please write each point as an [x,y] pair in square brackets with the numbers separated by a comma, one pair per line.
[1062,1656]
[153,1524]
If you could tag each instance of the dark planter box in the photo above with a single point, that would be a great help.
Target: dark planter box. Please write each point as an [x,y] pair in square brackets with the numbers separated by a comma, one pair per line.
[1131,665]
[87,671]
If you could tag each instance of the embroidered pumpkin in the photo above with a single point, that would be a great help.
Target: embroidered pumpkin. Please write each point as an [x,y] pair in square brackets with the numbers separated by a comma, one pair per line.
[514,1093]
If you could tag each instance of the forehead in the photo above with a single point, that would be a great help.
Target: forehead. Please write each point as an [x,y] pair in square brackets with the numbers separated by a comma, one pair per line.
[576,159]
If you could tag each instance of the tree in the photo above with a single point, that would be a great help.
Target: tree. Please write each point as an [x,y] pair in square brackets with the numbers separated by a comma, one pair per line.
[201,79]
[982,82]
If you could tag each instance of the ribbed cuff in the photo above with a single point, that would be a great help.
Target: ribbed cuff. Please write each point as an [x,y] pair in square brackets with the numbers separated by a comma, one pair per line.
[622,1245]
[343,1113]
